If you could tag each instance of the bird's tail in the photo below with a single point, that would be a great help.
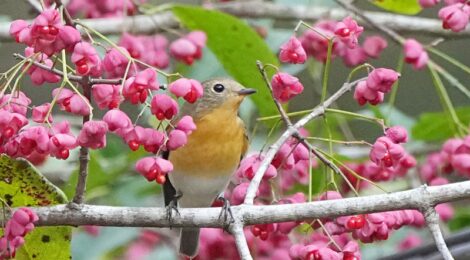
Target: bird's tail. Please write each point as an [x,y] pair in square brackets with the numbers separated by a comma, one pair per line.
[189,241]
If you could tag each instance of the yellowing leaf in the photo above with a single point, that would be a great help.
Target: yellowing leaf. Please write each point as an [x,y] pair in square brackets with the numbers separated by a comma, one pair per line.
[399,6]
[22,185]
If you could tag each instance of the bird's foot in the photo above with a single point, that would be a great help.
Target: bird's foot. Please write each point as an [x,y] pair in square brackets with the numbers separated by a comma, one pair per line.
[173,206]
[226,212]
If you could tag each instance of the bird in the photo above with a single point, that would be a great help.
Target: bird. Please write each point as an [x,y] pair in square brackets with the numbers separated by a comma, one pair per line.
[203,167]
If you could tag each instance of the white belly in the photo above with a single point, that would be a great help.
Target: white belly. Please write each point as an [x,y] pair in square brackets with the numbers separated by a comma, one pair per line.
[198,191]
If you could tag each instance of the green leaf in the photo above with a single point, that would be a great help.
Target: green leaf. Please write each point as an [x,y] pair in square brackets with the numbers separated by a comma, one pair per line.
[22,185]
[236,45]
[461,219]
[399,6]
[318,183]
[438,126]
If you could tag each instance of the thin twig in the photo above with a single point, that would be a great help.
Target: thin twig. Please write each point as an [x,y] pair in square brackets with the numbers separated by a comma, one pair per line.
[326,161]
[281,110]
[67,17]
[379,26]
[418,198]
[296,135]
[432,221]
[290,131]
[84,157]
[263,9]
[71,77]
[429,212]
[236,229]
[36,5]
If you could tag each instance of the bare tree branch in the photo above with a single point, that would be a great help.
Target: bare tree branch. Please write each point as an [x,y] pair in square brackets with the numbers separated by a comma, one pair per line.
[316,112]
[419,198]
[281,110]
[67,17]
[259,9]
[83,158]
[389,31]
[71,77]
[401,23]
[36,5]
[457,242]
[432,221]
[288,123]
[240,240]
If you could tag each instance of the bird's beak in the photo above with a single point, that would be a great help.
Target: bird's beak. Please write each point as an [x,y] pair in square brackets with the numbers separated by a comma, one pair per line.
[246,91]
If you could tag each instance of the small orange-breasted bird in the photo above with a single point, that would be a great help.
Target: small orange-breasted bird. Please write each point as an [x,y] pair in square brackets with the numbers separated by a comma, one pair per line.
[203,167]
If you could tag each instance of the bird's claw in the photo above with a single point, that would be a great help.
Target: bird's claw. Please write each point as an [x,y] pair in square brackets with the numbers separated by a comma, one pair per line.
[172,206]
[226,213]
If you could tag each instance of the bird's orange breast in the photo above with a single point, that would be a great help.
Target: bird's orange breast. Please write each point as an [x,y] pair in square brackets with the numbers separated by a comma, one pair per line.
[214,148]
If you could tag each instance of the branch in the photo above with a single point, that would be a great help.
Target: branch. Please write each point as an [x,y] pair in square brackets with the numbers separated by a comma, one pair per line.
[430,214]
[257,9]
[281,110]
[240,240]
[288,123]
[71,77]
[370,20]
[402,23]
[84,157]
[458,243]
[419,198]
[62,215]
[36,5]
[316,112]
[67,17]
[432,221]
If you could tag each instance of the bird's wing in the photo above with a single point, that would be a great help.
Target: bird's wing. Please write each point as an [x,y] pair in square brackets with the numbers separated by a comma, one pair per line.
[246,140]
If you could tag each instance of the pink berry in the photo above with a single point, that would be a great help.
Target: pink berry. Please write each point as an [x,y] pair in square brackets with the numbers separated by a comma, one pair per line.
[8,132]
[160,179]
[356,222]
[285,86]
[64,154]
[415,54]
[53,30]
[43,30]
[292,51]
[348,31]
[455,17]
[313,255]
[133,145]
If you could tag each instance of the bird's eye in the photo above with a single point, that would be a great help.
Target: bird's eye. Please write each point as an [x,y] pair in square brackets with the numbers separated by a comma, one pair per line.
[218,88]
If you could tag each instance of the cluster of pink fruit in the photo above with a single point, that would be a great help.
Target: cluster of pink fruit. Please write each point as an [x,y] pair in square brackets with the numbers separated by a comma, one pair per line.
[455,15]
[290,166]
[46,36]
[16,228]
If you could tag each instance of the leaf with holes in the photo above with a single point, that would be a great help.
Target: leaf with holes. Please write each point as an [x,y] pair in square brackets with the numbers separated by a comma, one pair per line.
[236,45]
[22,185]
[410,7]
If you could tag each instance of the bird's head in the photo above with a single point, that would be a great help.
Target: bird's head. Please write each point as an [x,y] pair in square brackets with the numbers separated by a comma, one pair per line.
[219,93]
